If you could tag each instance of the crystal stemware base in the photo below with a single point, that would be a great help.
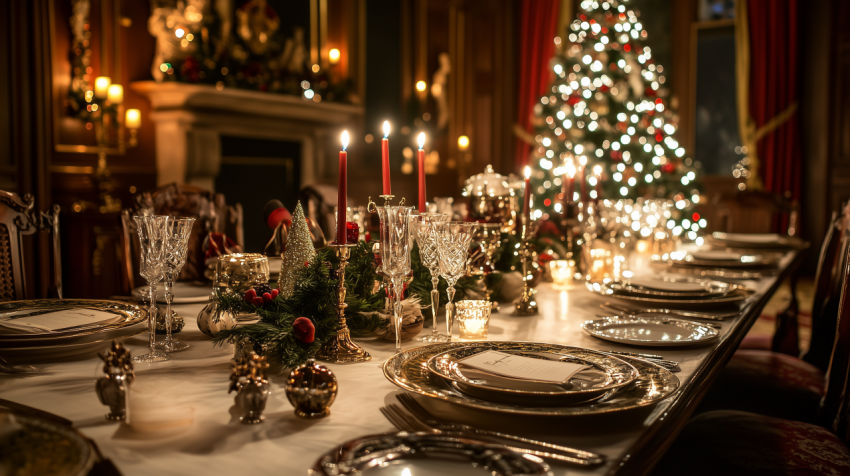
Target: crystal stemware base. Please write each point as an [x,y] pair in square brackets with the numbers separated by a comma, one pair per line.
[172,346]
[435,337]
[154,356]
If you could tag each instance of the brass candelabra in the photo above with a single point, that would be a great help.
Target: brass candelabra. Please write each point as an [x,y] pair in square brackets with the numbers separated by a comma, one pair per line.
[341,349]
[527,304]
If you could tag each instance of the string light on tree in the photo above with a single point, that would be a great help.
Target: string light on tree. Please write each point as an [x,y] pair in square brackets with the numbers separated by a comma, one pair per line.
[607,116]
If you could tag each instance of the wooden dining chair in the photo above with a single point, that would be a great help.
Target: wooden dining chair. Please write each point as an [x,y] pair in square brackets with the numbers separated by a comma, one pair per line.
[210,210]
[781,385]
[738,442]
[18,217]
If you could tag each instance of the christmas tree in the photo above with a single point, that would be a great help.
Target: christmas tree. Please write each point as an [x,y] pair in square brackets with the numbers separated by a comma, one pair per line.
[608,122]
[298,254]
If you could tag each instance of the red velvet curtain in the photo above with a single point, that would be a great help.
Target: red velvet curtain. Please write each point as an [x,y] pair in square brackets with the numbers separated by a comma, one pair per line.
[538,25]
[774,87]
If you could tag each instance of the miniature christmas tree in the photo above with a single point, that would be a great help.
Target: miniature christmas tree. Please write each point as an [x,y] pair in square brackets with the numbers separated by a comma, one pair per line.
[607,120]
[298,254]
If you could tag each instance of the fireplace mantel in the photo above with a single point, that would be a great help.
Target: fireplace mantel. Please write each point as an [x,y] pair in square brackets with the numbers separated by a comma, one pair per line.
[190,119]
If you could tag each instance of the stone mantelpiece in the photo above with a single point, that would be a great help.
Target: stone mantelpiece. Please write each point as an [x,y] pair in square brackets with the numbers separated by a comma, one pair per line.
[190,119]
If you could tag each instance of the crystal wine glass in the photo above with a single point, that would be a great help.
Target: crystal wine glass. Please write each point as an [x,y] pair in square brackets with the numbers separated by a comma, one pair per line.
[485,240]
[152,236]
[178,231]
[423,228]
[453,238]
[395,255]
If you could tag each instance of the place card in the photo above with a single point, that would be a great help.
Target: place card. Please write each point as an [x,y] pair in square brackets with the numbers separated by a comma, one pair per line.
[526,368]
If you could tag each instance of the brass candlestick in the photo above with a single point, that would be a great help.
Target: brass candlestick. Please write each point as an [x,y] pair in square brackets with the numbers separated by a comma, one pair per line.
[341,349]
[526,305]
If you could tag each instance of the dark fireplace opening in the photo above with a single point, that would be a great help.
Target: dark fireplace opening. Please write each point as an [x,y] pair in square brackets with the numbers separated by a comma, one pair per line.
[254,171]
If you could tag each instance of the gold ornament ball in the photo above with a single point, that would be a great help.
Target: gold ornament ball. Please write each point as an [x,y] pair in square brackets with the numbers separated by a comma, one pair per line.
[312,389]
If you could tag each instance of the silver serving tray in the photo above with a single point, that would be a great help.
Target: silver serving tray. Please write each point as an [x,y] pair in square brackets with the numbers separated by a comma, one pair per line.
[733,298]
[645,331]
[408,370]
[606,373]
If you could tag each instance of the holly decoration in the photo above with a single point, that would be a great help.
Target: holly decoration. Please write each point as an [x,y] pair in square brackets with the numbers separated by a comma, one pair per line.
[260,295]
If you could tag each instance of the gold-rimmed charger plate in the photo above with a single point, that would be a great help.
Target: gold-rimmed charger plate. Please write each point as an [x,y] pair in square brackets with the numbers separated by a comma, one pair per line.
[408,370]
[130,320]
[41,446]
[735,297]
[604,374]
[755,240]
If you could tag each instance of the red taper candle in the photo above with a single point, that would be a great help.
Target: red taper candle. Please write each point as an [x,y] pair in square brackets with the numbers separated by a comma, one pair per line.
[422,194]
[385,159]
[342,192]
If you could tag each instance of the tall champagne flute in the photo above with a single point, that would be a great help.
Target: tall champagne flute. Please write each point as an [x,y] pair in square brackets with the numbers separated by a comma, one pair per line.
[423,228]
[453,239]
[395,256]
[152,236]
[178,231]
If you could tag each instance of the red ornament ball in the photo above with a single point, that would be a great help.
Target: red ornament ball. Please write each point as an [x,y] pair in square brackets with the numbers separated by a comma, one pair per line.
[304,330]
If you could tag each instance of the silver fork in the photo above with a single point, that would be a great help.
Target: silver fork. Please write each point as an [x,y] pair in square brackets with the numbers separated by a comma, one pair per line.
[425,418]
[406,422]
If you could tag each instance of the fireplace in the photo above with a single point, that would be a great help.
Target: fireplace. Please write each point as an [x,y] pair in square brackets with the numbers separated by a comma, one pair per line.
[246,143]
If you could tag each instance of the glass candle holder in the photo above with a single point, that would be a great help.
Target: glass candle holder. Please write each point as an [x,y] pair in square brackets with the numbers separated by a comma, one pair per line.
[240,271]
[473,317]
[600,266]
[563,272]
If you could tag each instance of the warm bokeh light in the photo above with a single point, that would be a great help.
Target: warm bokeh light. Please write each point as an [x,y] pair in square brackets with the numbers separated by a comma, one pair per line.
[333,56]
[527,172]
[421,140]
[463,142]
[386,129]
[133,119]
[421,86]
[115,94]
[101,86]
[344,139]
[597,170]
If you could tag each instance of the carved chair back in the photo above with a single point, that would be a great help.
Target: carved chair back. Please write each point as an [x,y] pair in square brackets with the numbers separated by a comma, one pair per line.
[835,410]
[211,212]
[18,218]
[755,212]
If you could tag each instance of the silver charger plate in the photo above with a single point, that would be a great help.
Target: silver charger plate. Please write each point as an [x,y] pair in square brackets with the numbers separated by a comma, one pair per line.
[734,297]
[427,453]
[651,331]
[606,373]
[184,293]
[41,445]
[755,240]
[716,259]
[408,370]
[710,289]
[129,320]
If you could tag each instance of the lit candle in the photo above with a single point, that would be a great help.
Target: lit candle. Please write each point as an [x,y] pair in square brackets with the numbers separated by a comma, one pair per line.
[526,197]
[385,159]
[569,183]
[115,94]
[133,119]
[597,172]
[101,86]
[421,173]
[333,56]
[581,175]
[342,191]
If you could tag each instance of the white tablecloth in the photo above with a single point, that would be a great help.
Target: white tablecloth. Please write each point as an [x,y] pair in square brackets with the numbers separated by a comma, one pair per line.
[216,443]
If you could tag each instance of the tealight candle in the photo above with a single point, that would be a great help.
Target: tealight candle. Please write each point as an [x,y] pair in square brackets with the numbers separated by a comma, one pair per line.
[563,272]
[473,317]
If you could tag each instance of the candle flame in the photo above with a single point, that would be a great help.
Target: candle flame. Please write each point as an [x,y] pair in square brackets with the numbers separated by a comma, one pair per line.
[344,139]
[386,129]
[421,140]
[527,172]
[570,168]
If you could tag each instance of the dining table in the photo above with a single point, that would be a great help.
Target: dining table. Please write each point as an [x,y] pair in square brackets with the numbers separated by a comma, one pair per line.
[195,428]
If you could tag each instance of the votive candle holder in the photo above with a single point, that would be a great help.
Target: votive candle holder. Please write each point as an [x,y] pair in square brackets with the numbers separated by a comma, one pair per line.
[473,317]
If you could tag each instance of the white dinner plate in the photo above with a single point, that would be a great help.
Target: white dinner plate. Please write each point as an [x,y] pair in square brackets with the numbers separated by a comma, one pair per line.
[651,331]
[670,287]
[184,293]
[735,295]
[755,240]
[716,259]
